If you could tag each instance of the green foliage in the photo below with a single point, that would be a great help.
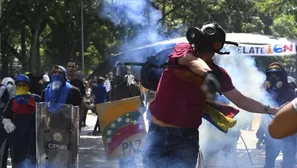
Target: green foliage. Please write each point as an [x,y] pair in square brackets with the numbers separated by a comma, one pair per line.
[47,32]
[285,25]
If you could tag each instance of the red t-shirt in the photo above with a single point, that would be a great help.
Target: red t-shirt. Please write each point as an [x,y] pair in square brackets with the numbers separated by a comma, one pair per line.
[179,99]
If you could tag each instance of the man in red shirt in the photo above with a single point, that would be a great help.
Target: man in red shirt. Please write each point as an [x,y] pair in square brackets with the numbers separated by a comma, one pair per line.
[177,110]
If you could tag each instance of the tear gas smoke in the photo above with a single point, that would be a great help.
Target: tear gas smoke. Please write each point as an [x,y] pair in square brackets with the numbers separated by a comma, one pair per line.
[28,163]
[248,80]
[137,16]
[242,69]
[140,15]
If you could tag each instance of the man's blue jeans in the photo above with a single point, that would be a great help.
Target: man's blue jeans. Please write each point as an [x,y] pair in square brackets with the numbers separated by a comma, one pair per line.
[171,147]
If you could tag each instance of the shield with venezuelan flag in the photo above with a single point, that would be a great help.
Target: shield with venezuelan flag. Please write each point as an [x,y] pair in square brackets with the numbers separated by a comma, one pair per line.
[122,127]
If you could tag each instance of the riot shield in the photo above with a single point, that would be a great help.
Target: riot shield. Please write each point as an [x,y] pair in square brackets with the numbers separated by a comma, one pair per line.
[122,127]
[57,135]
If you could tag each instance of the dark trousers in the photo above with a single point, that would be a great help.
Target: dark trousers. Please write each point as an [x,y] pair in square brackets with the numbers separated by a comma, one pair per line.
[21,158]
[84,118]
[97,125]
[3,146]
[167,147]
[5,156]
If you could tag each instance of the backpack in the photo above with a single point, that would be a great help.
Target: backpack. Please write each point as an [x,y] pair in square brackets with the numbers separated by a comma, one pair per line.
[151,71]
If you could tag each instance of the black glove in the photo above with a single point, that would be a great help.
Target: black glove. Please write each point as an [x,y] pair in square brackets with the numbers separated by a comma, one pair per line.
[211,86]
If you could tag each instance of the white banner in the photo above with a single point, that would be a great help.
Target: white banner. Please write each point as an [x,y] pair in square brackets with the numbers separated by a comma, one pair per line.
[267,50]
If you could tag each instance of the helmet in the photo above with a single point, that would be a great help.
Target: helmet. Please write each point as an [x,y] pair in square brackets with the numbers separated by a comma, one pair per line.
[276,76]
[22,78]
[7,80]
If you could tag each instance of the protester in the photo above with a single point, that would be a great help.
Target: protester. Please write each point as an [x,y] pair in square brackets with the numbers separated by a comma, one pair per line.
[71,75]
[58,93]
[99,93]
[87,100]
[284,122]
[7,91]
[281,92]
[60,90]
[180,100]
[19,123]
[10,85]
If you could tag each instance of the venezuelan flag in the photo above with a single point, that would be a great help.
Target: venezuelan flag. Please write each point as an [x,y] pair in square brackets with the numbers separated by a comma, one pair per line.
[23,104]
[220,116]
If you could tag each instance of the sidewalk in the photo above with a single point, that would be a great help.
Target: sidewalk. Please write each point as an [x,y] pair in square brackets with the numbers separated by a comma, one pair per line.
[91,149]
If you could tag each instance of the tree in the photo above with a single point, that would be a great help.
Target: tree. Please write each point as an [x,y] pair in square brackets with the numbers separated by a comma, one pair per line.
[42,33]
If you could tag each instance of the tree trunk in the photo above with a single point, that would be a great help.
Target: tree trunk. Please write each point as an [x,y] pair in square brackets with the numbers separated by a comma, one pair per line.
[34,65]
[11,68]
[23,56]
[4,60]
[5,63]
[34,51]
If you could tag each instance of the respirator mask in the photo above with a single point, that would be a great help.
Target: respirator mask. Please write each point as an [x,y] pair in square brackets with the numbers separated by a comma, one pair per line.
[274,77]
[210,38]
[274,81]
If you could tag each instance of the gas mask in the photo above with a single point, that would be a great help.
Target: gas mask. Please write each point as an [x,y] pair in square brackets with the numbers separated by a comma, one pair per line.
[210,38]
[274,81]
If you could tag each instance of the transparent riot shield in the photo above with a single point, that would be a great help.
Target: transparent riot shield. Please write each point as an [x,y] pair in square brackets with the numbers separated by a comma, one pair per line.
[57,135]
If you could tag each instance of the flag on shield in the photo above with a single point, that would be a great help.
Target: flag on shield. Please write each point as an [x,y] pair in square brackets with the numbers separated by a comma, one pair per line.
[122,127]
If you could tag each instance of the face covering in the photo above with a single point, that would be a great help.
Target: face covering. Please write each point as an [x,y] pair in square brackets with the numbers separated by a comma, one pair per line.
[22,90]
[57,81]
[274,81]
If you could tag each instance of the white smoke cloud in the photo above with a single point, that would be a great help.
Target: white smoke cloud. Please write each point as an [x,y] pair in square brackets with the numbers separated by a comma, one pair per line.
[136,14]
[248,80]
[246,77]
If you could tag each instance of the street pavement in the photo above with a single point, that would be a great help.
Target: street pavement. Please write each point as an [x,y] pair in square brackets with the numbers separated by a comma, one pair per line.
[92,155]
[92,151]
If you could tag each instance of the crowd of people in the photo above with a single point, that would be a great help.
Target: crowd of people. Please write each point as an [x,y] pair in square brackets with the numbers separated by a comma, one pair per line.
[18,105]
[188,90]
